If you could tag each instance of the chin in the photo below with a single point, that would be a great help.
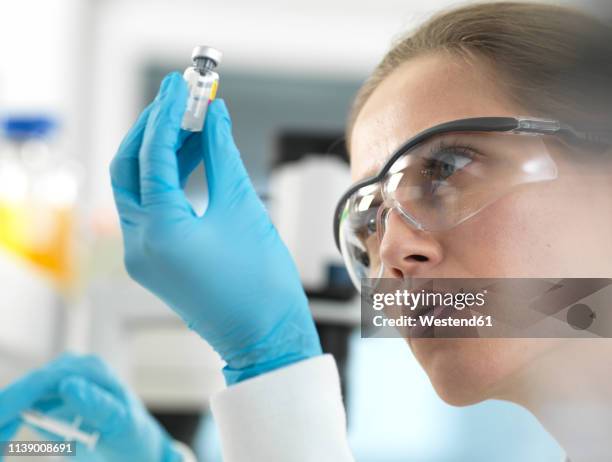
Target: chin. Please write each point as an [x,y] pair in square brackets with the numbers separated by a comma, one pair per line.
[468,371]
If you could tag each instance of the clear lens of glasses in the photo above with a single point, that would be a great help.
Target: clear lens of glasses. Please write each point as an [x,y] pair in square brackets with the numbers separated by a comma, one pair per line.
[437,185]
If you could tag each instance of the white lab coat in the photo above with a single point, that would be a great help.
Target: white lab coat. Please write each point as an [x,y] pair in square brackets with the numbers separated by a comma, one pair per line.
[291,414]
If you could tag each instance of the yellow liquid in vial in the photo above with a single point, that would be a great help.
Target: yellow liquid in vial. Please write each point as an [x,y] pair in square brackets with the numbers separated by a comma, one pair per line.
[41,235]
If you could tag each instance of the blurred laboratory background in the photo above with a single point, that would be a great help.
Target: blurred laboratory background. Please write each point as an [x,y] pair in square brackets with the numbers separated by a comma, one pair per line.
[74,74]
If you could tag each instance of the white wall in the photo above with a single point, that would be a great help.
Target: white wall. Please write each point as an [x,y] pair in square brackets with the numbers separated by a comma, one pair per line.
[41,46]
[344,38]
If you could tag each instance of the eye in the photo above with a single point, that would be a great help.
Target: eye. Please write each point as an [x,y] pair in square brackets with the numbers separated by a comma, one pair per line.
[441,165]
[371,225]
[443,161]
[364,223]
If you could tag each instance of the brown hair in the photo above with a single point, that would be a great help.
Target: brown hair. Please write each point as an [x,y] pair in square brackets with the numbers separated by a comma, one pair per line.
[554,61]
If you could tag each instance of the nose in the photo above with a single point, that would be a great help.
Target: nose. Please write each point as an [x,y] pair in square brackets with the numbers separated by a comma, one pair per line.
[406,251]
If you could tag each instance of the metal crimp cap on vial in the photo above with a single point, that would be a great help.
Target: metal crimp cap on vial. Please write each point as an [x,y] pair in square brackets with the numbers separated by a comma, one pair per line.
[207,52]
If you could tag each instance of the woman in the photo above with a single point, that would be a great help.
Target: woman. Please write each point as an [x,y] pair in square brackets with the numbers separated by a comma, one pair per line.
[229,276]
[505,60]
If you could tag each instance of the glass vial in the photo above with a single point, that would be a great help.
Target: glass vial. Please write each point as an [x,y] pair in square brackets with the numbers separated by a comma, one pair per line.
[202,81]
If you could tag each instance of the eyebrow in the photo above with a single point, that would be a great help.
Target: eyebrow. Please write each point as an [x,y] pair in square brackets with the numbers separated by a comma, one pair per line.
[373,169]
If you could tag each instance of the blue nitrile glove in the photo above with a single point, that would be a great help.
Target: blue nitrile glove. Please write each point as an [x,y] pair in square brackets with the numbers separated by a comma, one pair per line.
[227,273]
[84,386]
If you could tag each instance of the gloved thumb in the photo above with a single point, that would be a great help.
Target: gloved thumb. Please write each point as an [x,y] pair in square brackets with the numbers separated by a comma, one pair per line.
[98,407]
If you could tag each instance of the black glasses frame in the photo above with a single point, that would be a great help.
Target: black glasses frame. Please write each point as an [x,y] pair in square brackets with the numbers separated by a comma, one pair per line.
[523,125]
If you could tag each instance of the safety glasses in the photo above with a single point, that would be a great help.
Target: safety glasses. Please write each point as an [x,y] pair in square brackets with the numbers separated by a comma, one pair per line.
[442,177]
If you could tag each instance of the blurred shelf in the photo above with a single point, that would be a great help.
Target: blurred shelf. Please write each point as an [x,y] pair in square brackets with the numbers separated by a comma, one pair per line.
[346,313]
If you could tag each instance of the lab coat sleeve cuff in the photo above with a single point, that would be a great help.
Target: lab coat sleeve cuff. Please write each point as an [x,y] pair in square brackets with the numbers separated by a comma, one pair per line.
[290,414]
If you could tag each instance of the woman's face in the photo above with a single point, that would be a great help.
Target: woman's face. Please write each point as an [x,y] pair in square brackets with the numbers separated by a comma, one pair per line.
[560,228]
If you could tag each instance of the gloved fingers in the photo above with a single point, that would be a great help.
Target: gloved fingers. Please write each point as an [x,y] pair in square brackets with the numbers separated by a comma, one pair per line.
[124,168]
[98,408]
[125,171]
[91,367]
[24,393]
[130,212]
[225,172]
[159,176]
[189,155]
[48,404]
[42,383]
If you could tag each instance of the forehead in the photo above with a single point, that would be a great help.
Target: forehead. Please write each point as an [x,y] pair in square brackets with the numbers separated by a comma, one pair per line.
[423,92]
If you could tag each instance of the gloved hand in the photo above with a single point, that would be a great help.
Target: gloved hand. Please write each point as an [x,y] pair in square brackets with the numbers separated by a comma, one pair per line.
[84,386]
[226,273]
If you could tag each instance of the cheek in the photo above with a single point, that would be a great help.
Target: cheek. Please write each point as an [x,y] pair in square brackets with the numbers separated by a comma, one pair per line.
[466,371]
[528,233]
